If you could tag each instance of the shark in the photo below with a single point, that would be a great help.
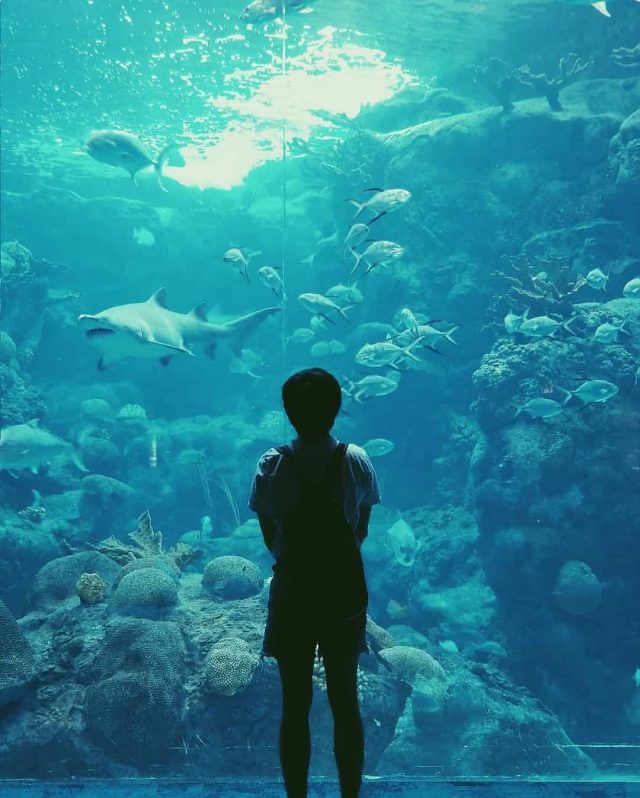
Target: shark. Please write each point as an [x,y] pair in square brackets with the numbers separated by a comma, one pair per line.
[150,330]
[30,445]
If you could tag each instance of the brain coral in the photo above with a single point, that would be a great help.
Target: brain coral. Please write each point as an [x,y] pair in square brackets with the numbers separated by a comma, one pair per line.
[57,580]
[229,667]
[16,662]
[145,589]
[232,577]
[413,665]
[160,563]
[91,588]
[134,704]
[578,590]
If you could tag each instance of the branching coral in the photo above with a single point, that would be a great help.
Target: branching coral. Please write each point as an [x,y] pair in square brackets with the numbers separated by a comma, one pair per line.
[147,542]
[569,67]
[500,81]
[626,57]
[541,285]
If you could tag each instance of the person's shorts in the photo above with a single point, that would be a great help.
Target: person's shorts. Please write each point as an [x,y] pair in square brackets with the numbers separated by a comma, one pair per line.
[291,627]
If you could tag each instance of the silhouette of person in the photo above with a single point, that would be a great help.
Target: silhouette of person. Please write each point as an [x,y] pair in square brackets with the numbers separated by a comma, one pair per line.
[313,498]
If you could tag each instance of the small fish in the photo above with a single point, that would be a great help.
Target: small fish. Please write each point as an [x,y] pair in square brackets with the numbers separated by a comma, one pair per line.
[409,320]
[321,306]
[542,407]
[513,322]
[377,447]
[385,353]
[120,148]
[382,202]
[377,253]
[593,392]
[270,277]
[248,362]
[345,294]
[401,540]
[371,386]
[597,279]
[30,445]
[428,334]
[326,348]
[356,235]
[236,256]
[301,335]
[607,333]
[318,323]
[143,237]
[632,289]
[544,326]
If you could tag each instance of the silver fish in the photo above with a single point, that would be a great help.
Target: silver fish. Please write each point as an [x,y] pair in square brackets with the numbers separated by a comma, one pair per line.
[428,334]
[301,335]
[402,541]
[597,279]
[270,277]
[607,333]
[123,149]
[593,392]
[541,407]
[356,235]
[632,289]
[345,294]
[378,447]
[237,256]
[385,353]
[371,386]
[321,306]
[377,253]
[513,322]
[382,202]
[544,326]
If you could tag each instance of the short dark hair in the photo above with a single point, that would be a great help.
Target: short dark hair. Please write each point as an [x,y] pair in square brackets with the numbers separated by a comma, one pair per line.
[311,400]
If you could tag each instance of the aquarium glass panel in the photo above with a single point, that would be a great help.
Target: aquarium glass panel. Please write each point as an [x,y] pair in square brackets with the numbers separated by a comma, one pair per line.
[435,202]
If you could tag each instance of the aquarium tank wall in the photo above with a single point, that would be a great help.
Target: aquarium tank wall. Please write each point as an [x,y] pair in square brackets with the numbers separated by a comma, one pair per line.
[436,201]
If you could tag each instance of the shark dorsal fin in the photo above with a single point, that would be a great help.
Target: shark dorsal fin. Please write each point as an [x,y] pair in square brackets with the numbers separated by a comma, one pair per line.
[159,298]
[33,422]
[200,311]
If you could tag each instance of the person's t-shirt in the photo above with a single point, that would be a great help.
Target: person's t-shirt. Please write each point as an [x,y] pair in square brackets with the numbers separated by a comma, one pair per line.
[275,485]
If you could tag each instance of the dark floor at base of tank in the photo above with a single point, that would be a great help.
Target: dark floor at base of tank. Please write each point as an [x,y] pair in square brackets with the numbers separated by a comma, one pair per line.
[373,788]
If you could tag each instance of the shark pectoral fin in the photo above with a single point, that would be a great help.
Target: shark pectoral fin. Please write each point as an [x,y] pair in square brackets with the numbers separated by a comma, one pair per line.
[210,351]
[602,8]
[171,349]
[166,360]
[33,422]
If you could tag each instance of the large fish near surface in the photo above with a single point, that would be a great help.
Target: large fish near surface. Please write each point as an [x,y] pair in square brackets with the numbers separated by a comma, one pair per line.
[120,148]
[150,330]
[261,10]
[30,445]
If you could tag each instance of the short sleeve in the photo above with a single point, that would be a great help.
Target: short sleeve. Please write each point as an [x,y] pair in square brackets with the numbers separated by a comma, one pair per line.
[260,495]
[368,490]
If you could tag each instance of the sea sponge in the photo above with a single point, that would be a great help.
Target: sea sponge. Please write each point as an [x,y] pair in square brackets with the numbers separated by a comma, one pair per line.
[229,667]
[144,590]
[232,577]
[16,659]
[578,590]
[413,665]
[91,588]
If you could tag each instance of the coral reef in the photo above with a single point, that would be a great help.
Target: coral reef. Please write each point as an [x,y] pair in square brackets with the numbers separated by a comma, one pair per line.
[232,577]
[145,589]
[16,662]
[229,667]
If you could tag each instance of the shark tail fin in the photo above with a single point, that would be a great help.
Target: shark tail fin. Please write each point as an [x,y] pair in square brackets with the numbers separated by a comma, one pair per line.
[240,329]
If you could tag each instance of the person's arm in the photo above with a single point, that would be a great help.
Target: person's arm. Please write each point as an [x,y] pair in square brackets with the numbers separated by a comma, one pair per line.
[269,529]
[362,530]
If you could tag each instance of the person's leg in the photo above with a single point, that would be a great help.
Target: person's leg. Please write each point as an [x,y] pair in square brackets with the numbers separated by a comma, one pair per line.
[296,674]
[341,672]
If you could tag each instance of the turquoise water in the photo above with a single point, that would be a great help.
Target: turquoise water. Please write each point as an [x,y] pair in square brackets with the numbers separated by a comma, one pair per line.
[502,562]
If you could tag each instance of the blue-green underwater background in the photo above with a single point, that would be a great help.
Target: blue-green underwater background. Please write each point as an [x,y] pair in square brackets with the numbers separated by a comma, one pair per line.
[503,564]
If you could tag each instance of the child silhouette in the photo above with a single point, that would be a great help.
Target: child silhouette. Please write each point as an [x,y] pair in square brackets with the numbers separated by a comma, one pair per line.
[313,498]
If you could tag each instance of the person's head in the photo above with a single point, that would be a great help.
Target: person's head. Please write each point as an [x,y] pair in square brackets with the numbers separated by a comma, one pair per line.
[311,400]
